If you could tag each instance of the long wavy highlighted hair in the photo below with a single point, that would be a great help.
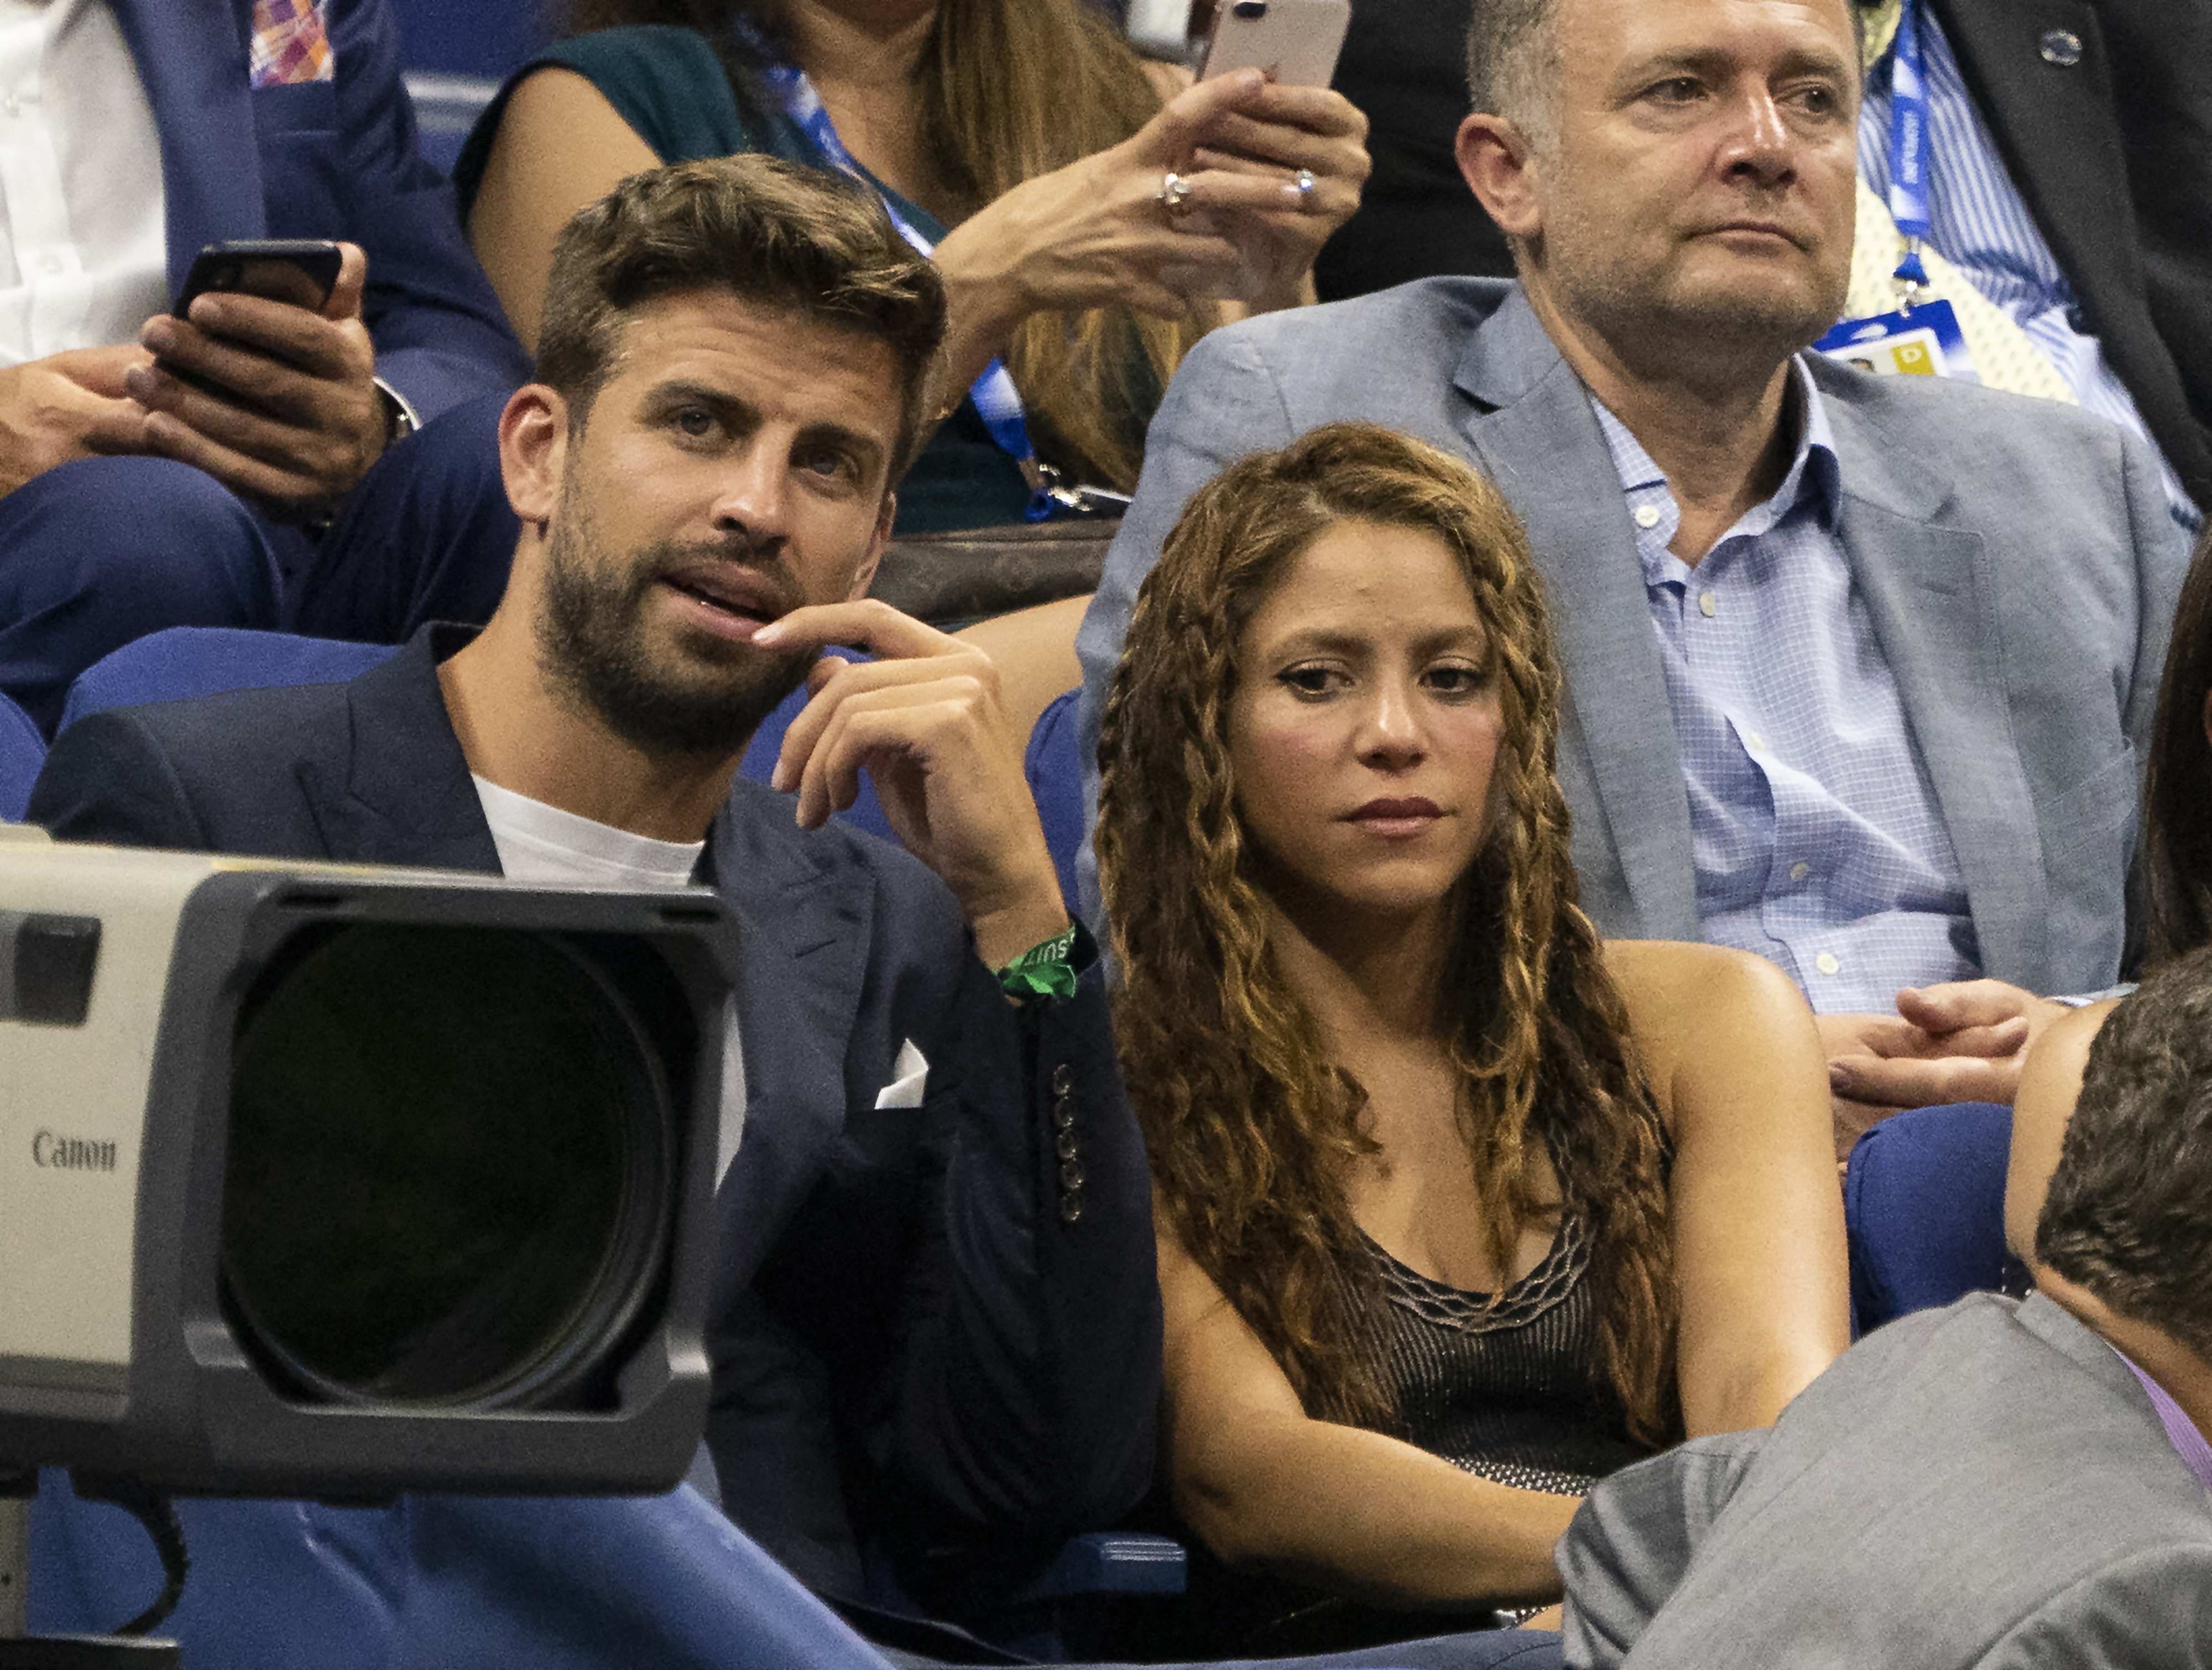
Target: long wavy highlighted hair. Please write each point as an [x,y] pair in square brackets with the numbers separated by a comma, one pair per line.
[1252,1126]
[1011,89]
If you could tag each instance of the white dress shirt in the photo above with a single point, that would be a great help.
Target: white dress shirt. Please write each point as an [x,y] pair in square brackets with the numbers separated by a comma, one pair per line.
[83,240]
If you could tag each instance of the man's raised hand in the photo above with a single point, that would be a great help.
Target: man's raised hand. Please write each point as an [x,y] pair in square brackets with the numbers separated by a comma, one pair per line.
[925,721]
[295,418]
[65,407]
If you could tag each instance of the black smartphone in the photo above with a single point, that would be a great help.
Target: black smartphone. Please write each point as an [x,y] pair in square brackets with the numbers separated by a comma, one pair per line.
[301,270]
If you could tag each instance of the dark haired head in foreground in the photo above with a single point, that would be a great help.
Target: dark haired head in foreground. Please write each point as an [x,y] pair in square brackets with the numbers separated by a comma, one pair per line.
[2127,1219]
[1390,1078]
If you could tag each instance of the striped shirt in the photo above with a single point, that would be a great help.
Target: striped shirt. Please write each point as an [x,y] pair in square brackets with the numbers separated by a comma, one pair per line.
[1815,835]
[1979,223]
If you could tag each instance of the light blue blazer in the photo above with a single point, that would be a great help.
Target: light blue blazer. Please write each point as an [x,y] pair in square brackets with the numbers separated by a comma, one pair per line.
[2016,557]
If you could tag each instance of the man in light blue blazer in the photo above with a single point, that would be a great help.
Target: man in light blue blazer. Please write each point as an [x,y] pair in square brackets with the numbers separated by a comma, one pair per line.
[141,131]
[1857,667]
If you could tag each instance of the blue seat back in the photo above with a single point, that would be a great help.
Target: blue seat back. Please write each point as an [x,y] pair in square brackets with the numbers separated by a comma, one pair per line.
[23,751]
[1053,766]
[185,661]
[1923,1202]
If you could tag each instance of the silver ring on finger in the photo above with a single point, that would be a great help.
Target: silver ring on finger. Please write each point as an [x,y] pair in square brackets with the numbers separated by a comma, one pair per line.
[1306,184]
[1174,193]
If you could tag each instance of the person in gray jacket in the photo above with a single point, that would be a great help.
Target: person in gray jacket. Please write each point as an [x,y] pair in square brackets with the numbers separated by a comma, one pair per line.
[1858,668]
[1992,1485]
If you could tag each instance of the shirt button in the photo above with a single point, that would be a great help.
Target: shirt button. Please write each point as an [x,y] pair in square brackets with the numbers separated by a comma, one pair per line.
[1647,516]
[1708,604]
[1799,872]
[1826,963]
[12,104]
[1755,739]
[2062,47]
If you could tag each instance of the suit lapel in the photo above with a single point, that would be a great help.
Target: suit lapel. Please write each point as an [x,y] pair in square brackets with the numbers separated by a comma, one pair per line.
[1536,435]
[805,919]
[403,794]
[1933,601]
[2054,127]
[192,55]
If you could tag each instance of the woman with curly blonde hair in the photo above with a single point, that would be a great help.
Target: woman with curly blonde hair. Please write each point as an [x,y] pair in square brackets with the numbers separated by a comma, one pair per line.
[1459,1209]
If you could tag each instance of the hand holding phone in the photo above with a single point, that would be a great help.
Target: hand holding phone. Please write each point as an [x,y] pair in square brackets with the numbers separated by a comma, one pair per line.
[264,377]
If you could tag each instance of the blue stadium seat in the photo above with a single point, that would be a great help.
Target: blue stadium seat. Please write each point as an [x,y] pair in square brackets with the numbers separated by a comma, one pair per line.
[1053,766]
[455,54]
[23,751]
[206,660]
[185,661]
[1923,1202]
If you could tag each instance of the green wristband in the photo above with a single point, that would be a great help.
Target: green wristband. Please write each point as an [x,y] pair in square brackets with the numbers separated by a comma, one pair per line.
[1046,970]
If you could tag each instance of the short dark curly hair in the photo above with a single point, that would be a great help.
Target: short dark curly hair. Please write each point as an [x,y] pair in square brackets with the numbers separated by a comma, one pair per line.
[2129,1214]
[800,240]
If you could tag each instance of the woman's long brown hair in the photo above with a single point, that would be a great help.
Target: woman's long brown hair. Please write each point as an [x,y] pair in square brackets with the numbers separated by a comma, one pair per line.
[1251,1125]
[1013,89]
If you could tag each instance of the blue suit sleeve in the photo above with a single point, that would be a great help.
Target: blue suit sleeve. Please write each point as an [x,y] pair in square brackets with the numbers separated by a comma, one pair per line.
[105,781]
[1030,1371]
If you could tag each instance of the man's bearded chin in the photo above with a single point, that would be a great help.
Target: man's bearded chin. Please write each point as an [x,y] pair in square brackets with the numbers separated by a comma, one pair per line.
[706,696]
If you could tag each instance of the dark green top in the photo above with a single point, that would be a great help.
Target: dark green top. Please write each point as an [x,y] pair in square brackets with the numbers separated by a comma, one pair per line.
[668,84]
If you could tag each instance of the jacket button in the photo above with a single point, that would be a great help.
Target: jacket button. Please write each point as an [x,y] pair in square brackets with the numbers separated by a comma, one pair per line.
[1064,1144]
[1063,1113]
[1071,1208]
[1063,1080]
[1071,1176]
[2062,47]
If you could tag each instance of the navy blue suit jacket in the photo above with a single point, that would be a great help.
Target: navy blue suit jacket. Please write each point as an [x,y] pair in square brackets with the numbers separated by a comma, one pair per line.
[333,159]
[913,1337]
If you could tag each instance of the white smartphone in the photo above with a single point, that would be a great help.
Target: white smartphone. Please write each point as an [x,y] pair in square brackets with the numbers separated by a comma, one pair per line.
[1294,41]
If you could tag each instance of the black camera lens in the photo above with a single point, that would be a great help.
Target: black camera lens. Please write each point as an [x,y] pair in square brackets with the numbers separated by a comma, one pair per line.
[447,1178]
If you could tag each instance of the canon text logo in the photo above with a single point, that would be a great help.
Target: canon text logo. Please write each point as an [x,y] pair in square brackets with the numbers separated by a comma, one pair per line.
[71,1153]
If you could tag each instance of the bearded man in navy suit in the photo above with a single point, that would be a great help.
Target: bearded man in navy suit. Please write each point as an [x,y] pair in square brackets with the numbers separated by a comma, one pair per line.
[936,1325]
[138,132]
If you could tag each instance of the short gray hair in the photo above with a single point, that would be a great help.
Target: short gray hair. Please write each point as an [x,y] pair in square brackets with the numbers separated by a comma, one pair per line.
[1513,61]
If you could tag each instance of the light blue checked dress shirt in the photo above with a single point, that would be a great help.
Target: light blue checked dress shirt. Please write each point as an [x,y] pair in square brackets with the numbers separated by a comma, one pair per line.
[1979,223]
[1814,828]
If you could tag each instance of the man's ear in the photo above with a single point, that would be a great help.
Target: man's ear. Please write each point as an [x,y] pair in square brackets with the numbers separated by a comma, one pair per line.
[865,575]
[1498,164]
[534,451]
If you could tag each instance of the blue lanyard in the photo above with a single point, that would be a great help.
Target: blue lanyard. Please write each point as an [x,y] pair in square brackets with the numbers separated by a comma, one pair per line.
[993,393]
[1909,148]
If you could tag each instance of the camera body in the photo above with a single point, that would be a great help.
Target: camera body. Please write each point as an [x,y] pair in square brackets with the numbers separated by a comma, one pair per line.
[327,1181]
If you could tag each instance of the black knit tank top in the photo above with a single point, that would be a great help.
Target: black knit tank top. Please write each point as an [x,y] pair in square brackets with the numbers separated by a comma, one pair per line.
[1517,1394]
